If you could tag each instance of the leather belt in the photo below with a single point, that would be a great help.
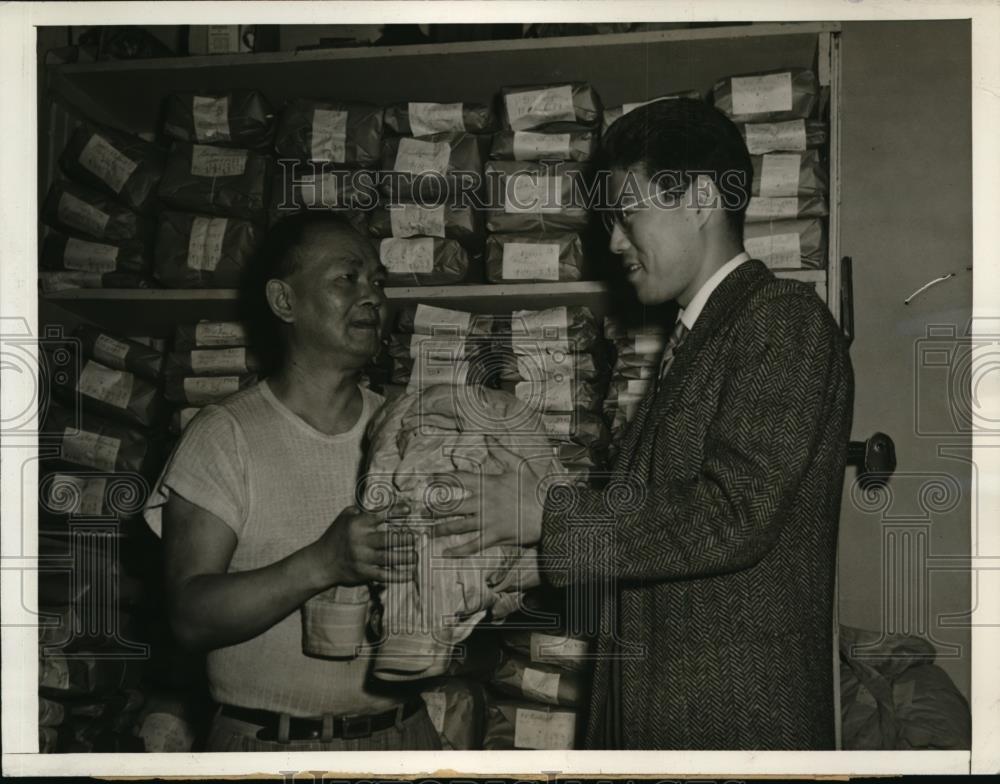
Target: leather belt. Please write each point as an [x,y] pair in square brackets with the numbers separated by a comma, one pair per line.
[321,728]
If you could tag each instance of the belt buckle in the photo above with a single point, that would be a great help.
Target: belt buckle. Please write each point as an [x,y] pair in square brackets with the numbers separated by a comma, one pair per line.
[354,727]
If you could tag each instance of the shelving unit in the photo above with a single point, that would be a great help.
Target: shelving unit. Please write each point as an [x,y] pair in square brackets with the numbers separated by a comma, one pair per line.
[623,68]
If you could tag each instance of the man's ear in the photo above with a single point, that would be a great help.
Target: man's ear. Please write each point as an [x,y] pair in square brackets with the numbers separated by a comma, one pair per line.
[281,299]
[707,200]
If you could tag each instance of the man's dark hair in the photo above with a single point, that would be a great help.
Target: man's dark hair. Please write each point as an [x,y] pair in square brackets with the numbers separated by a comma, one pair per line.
[682,138]
[275,259]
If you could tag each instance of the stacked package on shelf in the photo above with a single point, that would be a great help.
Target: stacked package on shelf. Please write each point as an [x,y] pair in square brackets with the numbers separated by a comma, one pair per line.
[542,681]
[102,216]
[103,435]
[434,345]
[215,187]
[638,350]
[210,361]
[327,155]
[556,361]
[536,179]
[785,223]
[429,232]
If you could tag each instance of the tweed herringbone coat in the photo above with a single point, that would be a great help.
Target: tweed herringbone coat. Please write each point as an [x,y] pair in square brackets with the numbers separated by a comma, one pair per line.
[713,548]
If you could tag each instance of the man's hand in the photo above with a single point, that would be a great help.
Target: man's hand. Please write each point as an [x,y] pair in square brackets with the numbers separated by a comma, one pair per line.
[361,547]
[498,508]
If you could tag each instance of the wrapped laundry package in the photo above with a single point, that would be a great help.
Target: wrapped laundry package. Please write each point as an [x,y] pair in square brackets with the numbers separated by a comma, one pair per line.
[566,327]
[457,709]
[222,181]
[298,186]
[121,353]
[426,119]
[555,648]
[113,393]
[210,334]
[197,251]
[787,136]
[52,281]
[430,320]
[779,174]
[787,244]
[237,118]
[125,167]
[423,360]
[414,439]
[527,258]
[212,362]
[536,197]
[62,252]
[569,145]
[528,725]
[414,220]
[617,112]
[767,97]
[344,133]
[423,261]
[76,209]
[431,169]
[559,394]
[99,443]
[541,106]
[202,390]
[520,677]
[772,208]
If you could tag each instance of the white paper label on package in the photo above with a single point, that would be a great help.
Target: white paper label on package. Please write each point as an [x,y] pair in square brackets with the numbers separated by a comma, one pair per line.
[539,685]
[63,281]
[779,174]
[777,251]
[90,449]
[771,137]
[110,351]
[762,94]
[205,243]
[413,220]
[767,207]
[414,256]
[211,118]
[430,118]
[529,192]
[220,333]
[92,498]
[89,256]
[415,156]
[114,387]
[429,320]
[649,344]
[166,733]
[532,108]
[549,324]
[436,702]
[431,369]
[440,347]
[80,215]
[209,161]
[186,415]
[329,136]
[534,729]
[219,360]
[108,164]
[549,648]
[209,389]
[530,146]
[531,261]
[557,425]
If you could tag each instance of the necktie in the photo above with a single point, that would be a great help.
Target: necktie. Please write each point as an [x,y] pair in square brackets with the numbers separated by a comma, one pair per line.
[673,343]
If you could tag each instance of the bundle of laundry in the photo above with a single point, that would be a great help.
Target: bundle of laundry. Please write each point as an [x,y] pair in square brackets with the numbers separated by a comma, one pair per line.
[416,118]
[571,144]
[527,196]
[77,209]
[533,257]
[222,181]
[235,118]
[768,97]
[406,220]
[548,106]
[417,442]
[199,251]
[344,133]
[431,169]
[73,254]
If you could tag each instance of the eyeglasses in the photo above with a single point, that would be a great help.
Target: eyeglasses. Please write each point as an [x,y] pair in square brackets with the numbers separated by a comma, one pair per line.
[618,214]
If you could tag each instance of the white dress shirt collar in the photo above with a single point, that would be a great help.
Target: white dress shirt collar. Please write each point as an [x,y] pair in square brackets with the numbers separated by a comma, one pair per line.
[689,315]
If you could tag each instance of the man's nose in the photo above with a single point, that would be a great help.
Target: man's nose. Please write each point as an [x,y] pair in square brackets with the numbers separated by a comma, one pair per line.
[619,241]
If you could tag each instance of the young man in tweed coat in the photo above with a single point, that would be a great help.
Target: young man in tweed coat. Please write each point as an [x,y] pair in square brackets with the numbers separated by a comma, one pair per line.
[716,539]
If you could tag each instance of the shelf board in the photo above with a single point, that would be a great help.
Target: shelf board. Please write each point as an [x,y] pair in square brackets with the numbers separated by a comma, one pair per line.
[583,288]
[469,47]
